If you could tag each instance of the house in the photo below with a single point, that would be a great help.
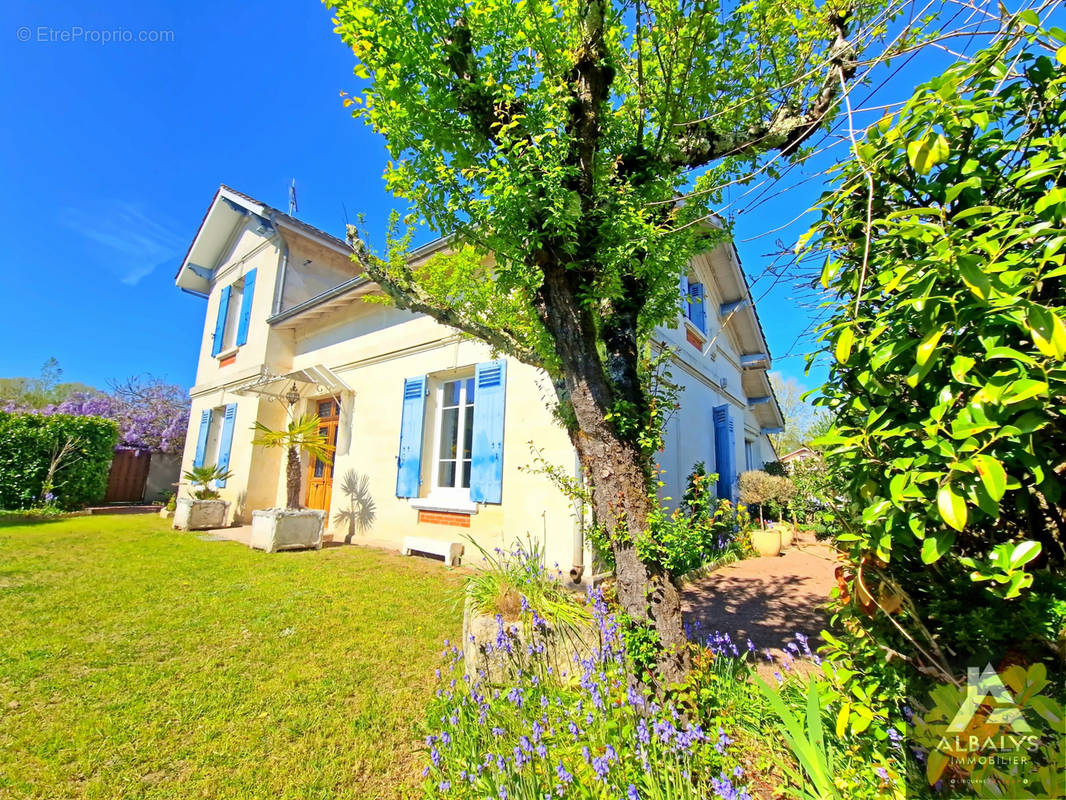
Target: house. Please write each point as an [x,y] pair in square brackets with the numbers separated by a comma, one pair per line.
[439,432]
[800,454]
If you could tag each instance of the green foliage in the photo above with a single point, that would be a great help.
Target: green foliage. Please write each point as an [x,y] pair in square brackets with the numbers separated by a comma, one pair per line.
[701,532]
[816,498]
[588,734]
[516,580]
[477,103]
[77,449]
[944,252]
[21,394]
[949,342]
[806,739]
[301,434]
[202,477]
[768,492]
[642,644]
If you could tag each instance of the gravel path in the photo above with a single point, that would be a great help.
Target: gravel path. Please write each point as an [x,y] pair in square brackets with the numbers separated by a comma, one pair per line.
[767,600]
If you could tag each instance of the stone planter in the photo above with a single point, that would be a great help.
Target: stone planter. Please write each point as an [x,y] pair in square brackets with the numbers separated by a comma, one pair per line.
[555,648]
[287,529]
[767,543]
[200,515]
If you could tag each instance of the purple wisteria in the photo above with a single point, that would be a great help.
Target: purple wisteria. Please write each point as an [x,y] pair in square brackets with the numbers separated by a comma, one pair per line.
[151,415]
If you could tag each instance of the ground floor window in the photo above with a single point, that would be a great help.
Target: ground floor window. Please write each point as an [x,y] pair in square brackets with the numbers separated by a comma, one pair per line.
[455,433]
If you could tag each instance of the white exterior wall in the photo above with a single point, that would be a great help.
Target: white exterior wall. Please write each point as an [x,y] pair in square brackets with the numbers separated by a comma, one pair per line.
[373,348]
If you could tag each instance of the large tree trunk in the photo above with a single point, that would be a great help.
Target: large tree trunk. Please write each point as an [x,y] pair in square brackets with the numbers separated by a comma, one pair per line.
[292,478]
[621,503]
[619,474]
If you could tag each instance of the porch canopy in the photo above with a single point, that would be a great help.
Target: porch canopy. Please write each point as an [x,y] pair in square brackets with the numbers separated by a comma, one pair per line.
[309,382]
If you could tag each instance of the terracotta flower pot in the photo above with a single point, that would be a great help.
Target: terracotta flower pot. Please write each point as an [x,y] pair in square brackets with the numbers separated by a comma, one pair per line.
[767,543]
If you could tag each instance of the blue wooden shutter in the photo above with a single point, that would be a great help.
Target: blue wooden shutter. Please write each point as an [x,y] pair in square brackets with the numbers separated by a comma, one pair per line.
[220,321]
[225,442]
[724,455]
[697,308]
[684,296]
[486,468]
[246,308]
[201,438]
[409,460]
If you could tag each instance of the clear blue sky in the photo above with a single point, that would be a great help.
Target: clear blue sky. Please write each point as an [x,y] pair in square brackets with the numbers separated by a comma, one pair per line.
[110,153]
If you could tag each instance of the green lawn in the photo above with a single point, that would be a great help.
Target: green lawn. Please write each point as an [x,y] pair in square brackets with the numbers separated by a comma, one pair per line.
[140,662]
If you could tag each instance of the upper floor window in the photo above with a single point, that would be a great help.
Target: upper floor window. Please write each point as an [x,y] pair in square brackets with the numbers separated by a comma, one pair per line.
[694,302]
[234,314]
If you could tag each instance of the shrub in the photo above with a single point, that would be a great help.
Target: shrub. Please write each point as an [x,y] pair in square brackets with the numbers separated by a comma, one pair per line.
[949,341]
[202,477]
[703,531]
[516,581]
[587,734]
[943,247]
[76,450]
[768,492]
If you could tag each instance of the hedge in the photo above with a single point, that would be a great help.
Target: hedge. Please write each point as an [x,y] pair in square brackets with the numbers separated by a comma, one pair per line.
[27,445]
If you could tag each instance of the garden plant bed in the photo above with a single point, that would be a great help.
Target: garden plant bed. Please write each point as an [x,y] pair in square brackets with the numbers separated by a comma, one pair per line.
[142,663]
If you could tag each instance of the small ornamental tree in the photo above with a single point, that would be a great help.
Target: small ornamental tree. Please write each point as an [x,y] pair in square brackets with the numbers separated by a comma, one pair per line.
[757,488]
[555,139]
[301,433]
[945,250]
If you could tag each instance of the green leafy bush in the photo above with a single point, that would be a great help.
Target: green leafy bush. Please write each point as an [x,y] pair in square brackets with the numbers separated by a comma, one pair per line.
[944,250]
[949,340]
[77,451]
[702,531]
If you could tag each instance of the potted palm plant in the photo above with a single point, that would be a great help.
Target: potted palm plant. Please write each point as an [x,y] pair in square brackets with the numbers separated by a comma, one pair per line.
[291,527]
[204,510]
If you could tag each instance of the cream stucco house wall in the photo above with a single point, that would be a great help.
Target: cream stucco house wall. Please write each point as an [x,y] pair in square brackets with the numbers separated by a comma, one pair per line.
[439,433]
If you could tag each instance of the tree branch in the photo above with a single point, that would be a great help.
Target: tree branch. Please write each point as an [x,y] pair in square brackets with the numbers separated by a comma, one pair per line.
[402,287]
[788,128]
[474,99]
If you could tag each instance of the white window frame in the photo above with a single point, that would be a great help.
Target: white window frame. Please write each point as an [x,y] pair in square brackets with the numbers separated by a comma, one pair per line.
[214,436]
[749,454]
[233,315]
[450,494]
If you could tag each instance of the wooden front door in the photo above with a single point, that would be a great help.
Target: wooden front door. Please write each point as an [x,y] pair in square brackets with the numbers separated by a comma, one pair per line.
[320,475]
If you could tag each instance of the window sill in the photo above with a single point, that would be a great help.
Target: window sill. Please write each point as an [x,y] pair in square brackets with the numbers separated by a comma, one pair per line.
[453,504]
[222,355]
